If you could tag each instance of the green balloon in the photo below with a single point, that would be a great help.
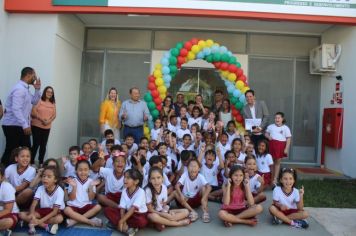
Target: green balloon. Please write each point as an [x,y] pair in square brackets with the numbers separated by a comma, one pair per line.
[155,114]
[233,100]
[209,58]
[175,51]
[179,46]
[216,57]
[238,64]
[239,105]
[232,60]
[173,69]
[151,106]
[148,97]
[225,57]
[172,61]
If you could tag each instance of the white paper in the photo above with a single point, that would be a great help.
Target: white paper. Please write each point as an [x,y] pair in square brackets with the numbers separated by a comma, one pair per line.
[252,122]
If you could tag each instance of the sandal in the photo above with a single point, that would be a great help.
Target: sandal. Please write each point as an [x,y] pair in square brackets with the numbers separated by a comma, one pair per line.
[193,216]
[206,217]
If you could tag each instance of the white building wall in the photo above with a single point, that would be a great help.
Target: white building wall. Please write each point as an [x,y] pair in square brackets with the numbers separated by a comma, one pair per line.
[52,45]
[342,160]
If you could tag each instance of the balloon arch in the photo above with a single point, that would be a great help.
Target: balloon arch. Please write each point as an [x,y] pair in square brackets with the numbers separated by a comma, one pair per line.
[194,49]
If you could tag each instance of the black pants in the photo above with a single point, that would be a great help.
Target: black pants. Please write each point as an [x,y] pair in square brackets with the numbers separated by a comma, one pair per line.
[40,139]
[15,137]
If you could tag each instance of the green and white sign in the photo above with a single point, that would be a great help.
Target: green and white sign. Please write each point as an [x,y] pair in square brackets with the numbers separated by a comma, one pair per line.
[343,8]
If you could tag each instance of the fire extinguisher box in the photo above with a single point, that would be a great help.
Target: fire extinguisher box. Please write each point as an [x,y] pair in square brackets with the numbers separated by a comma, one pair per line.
[333,127]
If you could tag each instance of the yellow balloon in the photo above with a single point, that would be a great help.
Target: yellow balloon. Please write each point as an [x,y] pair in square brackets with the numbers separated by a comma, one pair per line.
[202,44]
[162,89]
[191,56]
[231,77]
[195,49]
[162,96]
[241,130]
[159,82]
[157,73]
[225,73]
[158,66]
[209,43]
[240,85]
[146,130]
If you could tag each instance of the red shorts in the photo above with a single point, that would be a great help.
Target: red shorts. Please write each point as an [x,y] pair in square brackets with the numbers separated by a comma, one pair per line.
[267,177]
[45,211]
[115,197]
[234,211]
[195,201]
[13,216]
[137,220]
[82,210]
[276,149]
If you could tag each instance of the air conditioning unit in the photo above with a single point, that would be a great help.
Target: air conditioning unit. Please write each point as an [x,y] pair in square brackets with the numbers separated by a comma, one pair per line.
[323,58]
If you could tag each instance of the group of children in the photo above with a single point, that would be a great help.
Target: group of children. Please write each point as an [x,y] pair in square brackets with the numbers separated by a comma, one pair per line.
[136,184]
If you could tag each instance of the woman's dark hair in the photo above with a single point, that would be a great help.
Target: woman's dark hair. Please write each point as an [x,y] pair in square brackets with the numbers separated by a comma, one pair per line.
[290,171]
[165,99]
[80,162]
[135,175]
[267,147]
[150,186]
[43,97]
[228,101]
[113,89]
[282,115]
[55,171]
[234,169]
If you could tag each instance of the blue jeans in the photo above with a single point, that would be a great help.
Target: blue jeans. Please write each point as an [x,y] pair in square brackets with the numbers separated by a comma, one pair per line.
[137,132]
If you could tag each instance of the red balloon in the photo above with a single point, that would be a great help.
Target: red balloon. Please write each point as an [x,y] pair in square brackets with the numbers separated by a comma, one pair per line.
[232,68]
[188,45]
[194,40]
[239,72]
[217,64]
[151,78]
[181,59]
[183,52]
[243,78]
[155,93]
[151,86]
[158,101]
[239,118]
[234,113]
[159,107]
[224,66]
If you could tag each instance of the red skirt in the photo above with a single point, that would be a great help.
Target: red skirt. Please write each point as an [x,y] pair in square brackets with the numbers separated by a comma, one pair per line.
[45,211]
[137,220]
[115,197]
[267,177]
[83,209]
[13,216]
[276,149]
[287,212]
[234,211]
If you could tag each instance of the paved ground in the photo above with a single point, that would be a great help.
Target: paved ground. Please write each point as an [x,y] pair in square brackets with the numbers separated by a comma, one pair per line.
[264,227]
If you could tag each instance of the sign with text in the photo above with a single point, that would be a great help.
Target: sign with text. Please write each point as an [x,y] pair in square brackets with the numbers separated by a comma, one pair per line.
[341,8]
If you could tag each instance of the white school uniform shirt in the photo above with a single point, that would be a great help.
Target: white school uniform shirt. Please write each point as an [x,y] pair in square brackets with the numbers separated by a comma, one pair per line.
[69,169]
[223,148]
[168,169]
[50,200]
[133,149]
[172,128]
[166,181]
[155,133]
[7,195]
[173,155]
[290,200]
[181,132]
[103,145]
[137,200]
[241,157]
[15,178]
[210,174]
[151,154]
[161,198]
[182,148]
[231,137]
[192,187]
[263,163]
[94,175]
[82,196]
[112,183]
[280,133]
[197,120]
[254,183]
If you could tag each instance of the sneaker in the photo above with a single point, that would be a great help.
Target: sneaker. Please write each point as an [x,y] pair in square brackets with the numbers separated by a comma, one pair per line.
[300,224]
[52,229]
[6,232]
[31,230]
[276,221]
[132,231]
[97,221]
